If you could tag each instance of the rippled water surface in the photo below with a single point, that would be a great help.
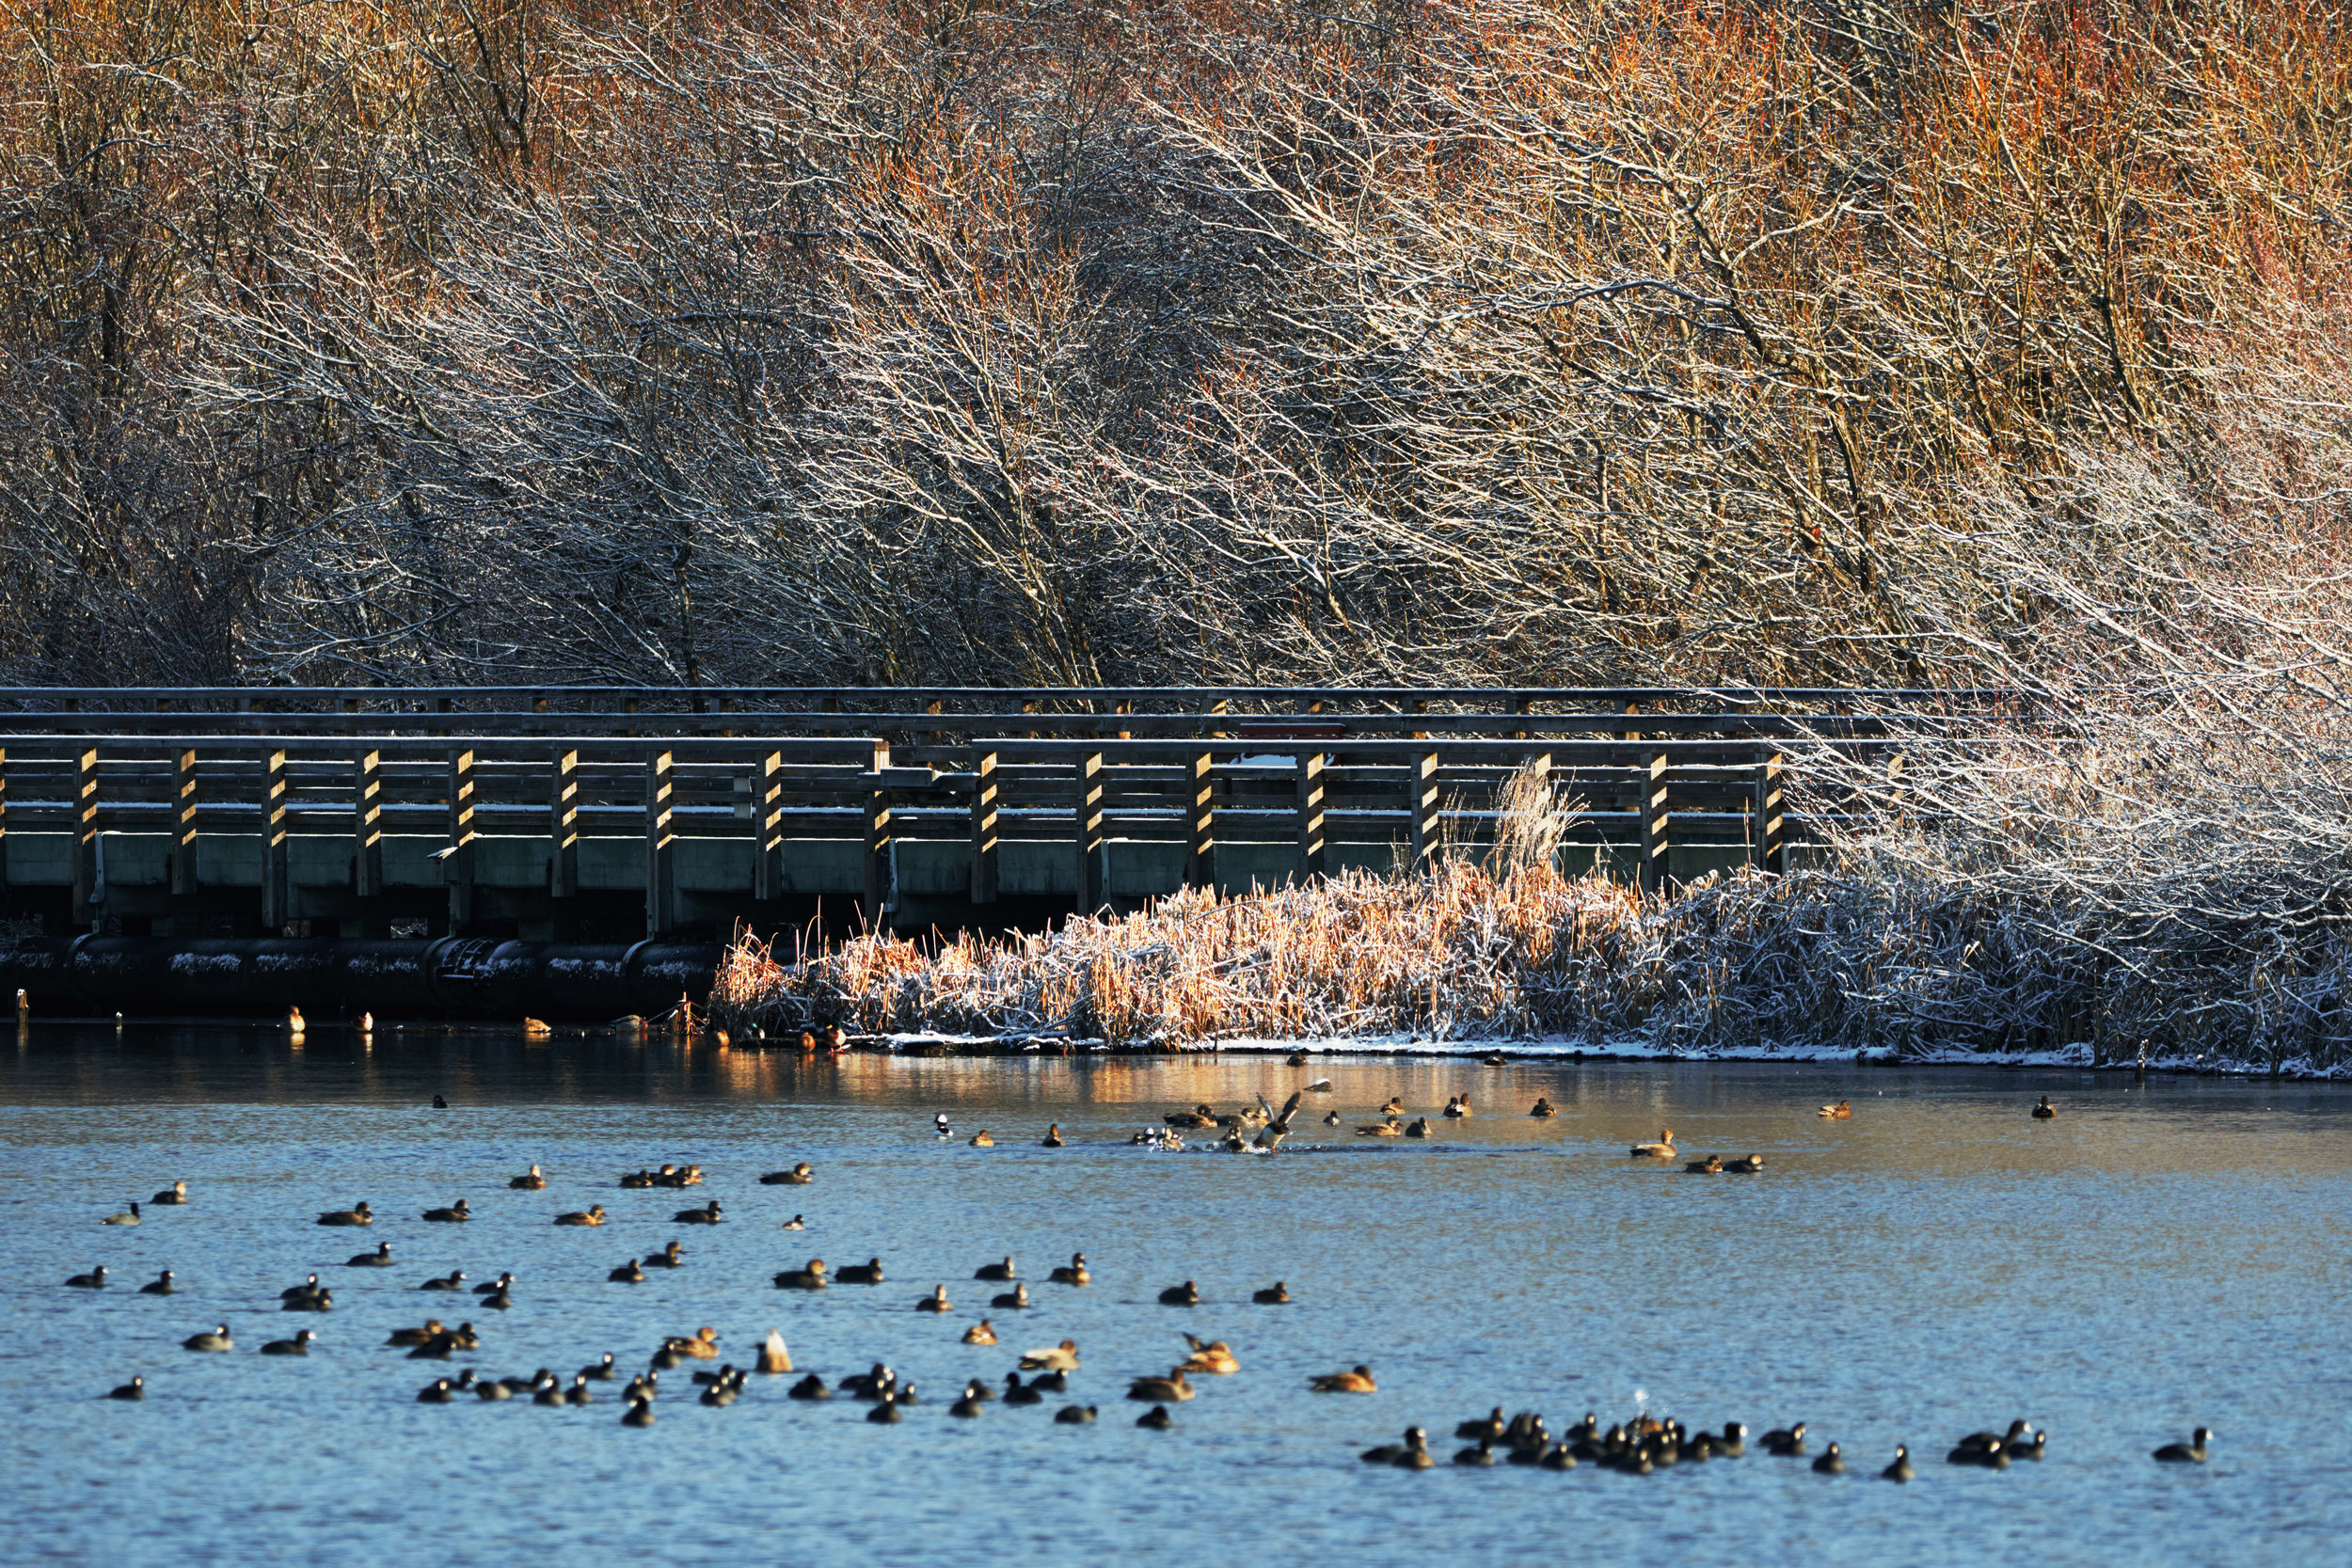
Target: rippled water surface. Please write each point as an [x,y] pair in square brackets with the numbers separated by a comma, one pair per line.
[2163,1255]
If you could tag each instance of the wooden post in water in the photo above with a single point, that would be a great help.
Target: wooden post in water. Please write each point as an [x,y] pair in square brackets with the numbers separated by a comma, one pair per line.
[878,829]
[1654,827]
[985,880]
[1311,793]
[564,824]
[275,912]
[461,832]
[1088,835]
[1771,848]
[768,830]
[183,880]
[85,836]
[661,802]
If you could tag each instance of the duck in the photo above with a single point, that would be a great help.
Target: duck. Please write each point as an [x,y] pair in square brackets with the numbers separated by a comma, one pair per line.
[1356,1380]
[593,1215]
[2190,1452]
[547,1391]
[320,1300]
[936,1301]
[1786,1441]
[1074,1273]
[1458,1107]
[1331,1117]
[530,1180]
[627,1273]
[159,1286]
[1395,1107]
[1053,1138]
[810,1387]
[1200,1116]
[2033,1449]
[886,1413]
[967,1408]
[669,1257]
[1419,1128]
[638,1414]
[357,1214]
[454,1280]
[1490,1427]
[876,1382]
[868,1273]
[600,1370]
[1276,1295]
[1899,1470]
[1842,1111]
[996,1271]
[702,1345]
[1017,1392]
[1663,1149]
[177,1194]
[940,1128]
[432,1329]
[798,1176]
[578,1393]
[1747,1165]
[217,1340]
[1387,1453]
[1187,1294]
[795,1223]
[94,1280]
[680,1176]
[309,1287]
[1732,1442]
[982,1139]
[1831,1463]
[130,1215]
[1711,1166]
[1993,1456]
[1543,1107]
[439,1391]
[298,1345]
[493,1389]
[1073,1415]
[1156,1419]
[1483,1452]
[975,1389]
[1213,1357]
[1051,1383]
[500,1299]
[1986,1440]
[135,1390]
[1014,1300]
[1393,1128]
[636,1180]
[707,1214]
[981,1333]
[1054,1358]
[499,1286]
[1416,1455]
[456,1214]
[809,1278]
[2045,1111]
[380,1258]
[1173,1388]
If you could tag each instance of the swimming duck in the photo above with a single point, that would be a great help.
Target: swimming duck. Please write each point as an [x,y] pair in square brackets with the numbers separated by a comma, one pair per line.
[868,1273]
[1053,1137]
[602,1370]
[936,1301]
[669,1257]
[1051,1383]
[500,1299]
[940,1128]
[454,1280]
[94,1280]
[627,1273]
[1484,1453]
[357,1214]
[1357,1380]
[309,1287]
[1711,1166]
[1747,1165]
[795,1223]
[298,1345]
[2045,1111]
[967,1408]
[1993,1456]
[1458,1107]
[1419,1128]
[380,1258]
[885,1414]
[594,1216]
[1014,1300]
[810,1387]
[1054,1358]
[975,1389]
[1016,1392]
[1489,1427]
[504,1282]
[1200,1116]
[836,1042]
[1831,1463]
[549,1392]
[996,1271]
[178,1193]
[493,1389]
[798,1176]
[529,1182]
[217,1340]
[135,1390]
[1386,1454]
[1786,1441]
[1331,1118]
[439,1391]
[1213,1357]
[1156,1419]
[128,1216]
[708,1214]
[1543,1107]
[680,1176]
[702,1345]
[1171,1389]
[159,1286]
[1899,1470]
[1393,1128]
[809,1278]
[1074,1273]
[456,1214]
[416,1335]
[1842,1111]
[982,1139]
[1732,1443]
[1663,1149]
[1276,1295]
[981,1333]
[2190,1452]
[2034,1450]
[1986,1440]
[636,1180]
[320,1300]
[1073,1415]
[1395,1107]
[578,1393]
[638,1414]
[1187,1294]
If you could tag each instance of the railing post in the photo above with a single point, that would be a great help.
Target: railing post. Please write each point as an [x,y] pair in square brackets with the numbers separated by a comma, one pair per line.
[878,879]
[1770,850]
[1655,827]
[4,818]
[367,825]
[661,803]
[85,835]
[461,834]
[273,824]
[1088,835]
[1309,817]
[183,879]
[564,824]
[1201,859]
[985,879]
[768,830]
[1421,802]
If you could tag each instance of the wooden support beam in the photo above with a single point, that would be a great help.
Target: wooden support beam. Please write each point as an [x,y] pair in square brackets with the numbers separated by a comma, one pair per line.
[1769,845]
[275,908]
[563,823]
[1088,825]
[1311,799]
[661,836]
[461,835]
[768,830]
[1421,803]
[1652,871]
[879,881]
[1201,857]
[986,877]
[85,836]
[183,878]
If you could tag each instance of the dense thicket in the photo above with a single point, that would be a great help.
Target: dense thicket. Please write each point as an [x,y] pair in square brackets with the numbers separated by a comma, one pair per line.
[1045,339]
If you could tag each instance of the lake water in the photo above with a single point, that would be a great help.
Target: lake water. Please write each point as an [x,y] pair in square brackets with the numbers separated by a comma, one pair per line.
[2165,1254]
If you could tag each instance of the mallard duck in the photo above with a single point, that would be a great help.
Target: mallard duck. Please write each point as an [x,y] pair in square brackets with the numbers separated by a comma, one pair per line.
[380,1258]
[593,1215]
[1054,1358]
[936,1301]
[130,1215]
[159,1286]
[2190,1452]
[627,1273]
[178,1193]
[1543,1107]
[1842,1111]
[981,1333]
[217,1340]
[1663,1149]
[2045,1111]
[1187,1294]
[1211,1357]
[1357,1380]
[529,1182]
[868,1273]
[809,1278]
[357,1214]
[456,1214]
[1014,1300]
[1051,1138]
[1074,1273]
[1170,1390]
[1276,1295]
[298,1345]
[798,1176]
[1393,1128]
[982,1139]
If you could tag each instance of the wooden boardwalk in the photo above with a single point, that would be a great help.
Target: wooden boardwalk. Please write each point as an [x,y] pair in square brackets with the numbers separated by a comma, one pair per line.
[616,813]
